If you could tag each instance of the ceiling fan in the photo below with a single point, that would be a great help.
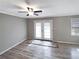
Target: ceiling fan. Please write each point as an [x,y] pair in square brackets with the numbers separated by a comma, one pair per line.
[31,11]
[28,10]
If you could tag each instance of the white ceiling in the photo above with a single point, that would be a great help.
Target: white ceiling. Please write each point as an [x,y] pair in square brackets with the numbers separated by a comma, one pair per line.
[49,7]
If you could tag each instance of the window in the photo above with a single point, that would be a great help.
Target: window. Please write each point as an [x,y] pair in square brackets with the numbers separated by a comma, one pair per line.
[75,26]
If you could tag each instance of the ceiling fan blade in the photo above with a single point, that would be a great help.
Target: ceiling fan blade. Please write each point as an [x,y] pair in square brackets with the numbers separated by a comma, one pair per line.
[22,11]
[27,15]
[30,9]
[37,11]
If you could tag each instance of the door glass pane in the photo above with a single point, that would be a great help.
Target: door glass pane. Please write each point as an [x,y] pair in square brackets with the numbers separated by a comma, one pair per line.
[47,30]
[38,30]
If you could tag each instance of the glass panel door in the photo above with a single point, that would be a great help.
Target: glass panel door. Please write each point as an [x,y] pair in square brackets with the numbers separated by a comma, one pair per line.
[38,33]
[47,30]
[43,30]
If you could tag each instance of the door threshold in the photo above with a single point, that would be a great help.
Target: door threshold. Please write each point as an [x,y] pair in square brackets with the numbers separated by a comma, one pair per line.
[44,40]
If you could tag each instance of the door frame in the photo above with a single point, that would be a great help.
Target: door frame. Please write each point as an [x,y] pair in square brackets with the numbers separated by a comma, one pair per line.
[51,28]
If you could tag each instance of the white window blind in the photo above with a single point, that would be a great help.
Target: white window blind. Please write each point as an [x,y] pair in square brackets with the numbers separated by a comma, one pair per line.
[75,26]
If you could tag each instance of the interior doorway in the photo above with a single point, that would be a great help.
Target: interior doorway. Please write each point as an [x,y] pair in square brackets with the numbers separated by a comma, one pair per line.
[43,30]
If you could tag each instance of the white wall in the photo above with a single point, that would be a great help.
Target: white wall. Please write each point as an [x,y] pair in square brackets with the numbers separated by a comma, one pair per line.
[30,27]
[12,31]
[62,29]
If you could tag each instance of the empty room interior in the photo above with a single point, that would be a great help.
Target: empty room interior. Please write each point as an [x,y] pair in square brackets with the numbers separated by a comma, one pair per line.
[39,29]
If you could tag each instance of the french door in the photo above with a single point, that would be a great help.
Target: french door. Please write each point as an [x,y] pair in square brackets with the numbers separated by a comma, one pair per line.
[43,29]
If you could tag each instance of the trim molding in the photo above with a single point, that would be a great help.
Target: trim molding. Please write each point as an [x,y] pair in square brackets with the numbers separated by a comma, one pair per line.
[67,42]
[12,47]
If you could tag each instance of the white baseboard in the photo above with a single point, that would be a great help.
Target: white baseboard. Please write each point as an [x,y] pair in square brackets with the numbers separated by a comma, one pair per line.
[67,42]
[11,47]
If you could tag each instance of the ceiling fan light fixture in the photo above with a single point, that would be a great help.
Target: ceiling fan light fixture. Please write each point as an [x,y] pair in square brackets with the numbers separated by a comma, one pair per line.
[30,9]
[30,13]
